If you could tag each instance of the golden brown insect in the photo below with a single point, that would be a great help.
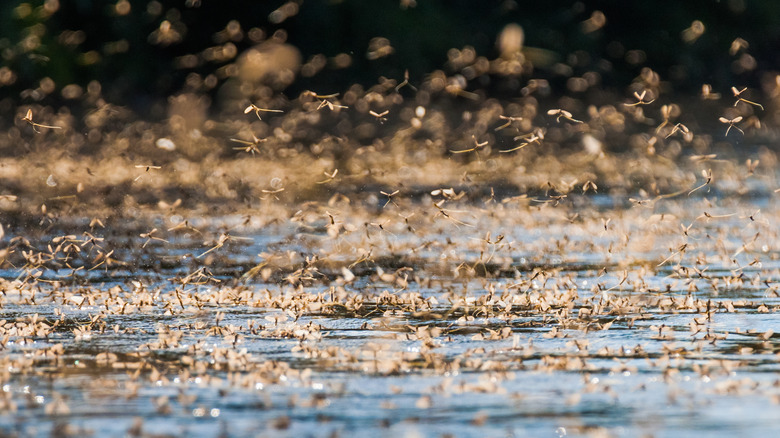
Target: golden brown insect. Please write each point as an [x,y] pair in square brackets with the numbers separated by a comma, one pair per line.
[534,137]
[325,100]
[28,118]
[380,117]
[272,192]
[732,124]
[707,94]
[104,259]
[640,99]
[589,185]
[492,197]
[409,226]
[702,158]
[476,147]
[172,206]
[147,167]
[390,197]
[150,236]
[365,257]
[707,174]
[522,145]
[487,240]
[737,93]
[679,128]
[330,176]
[561,113]
[185,226]
[223,238]
[198,277]
[640,202]
[737,45]
[680,250]
[446,214]
[331,106]
[405,83]
[258,110]
[554,199]
[251,146]
[751,166]
[666,113]
[509,121]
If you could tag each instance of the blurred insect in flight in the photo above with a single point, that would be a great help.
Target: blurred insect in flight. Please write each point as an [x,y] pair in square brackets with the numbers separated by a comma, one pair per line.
[380,117]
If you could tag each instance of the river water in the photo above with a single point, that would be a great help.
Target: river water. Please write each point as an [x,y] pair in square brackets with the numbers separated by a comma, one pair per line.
[585,316]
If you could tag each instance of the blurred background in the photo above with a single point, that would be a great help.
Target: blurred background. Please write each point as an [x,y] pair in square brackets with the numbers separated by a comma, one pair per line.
[138,53]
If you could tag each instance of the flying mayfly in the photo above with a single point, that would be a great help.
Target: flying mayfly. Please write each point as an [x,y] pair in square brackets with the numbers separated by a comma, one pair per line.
[28,118]
[249,146]
[258,110]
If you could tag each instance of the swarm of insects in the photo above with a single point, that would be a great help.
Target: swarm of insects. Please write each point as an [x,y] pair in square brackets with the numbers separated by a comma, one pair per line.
[399,244]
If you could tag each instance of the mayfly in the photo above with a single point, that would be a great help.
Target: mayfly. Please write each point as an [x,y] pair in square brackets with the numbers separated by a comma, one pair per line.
[28,118]
[751,166]
[331,106]
[535,137]
[380,117]
[330,177]
[737,93]
[147,167]
[560,113]
[475,149]
[258,110]
[702,158]
[150,236]
[223,238]
[405,83]
[325,100]
[679,128]
[707,174]
[708,94]
[640,99]
[390,197]
[666,113]
[508,123]
[250,146]
[589,185]
[732,124]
